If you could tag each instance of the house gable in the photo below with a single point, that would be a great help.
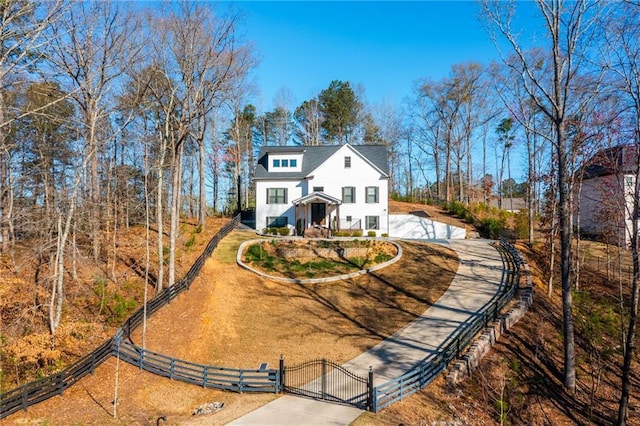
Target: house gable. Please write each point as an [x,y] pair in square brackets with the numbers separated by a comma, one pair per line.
[360,159]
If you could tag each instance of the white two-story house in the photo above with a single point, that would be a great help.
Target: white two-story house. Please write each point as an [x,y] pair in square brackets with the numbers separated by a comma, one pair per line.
[334,188]
[607,194]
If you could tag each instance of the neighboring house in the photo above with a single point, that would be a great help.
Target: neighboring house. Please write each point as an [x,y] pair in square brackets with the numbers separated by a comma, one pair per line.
[512,205]
[333,188]
[606,195]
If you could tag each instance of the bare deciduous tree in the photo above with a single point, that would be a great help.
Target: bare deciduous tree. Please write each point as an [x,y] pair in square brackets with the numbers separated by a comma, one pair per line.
[620,55]
[23,26]
[568,29]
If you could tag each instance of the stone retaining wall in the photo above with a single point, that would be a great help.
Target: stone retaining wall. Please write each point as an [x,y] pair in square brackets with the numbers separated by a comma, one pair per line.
[326,253]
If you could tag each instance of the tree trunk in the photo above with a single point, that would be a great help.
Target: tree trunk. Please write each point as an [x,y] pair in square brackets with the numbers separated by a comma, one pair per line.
[565,259]
[216,178]
[57,291]
[4,182]
[530,189]
[629,348]
[94,187]
[159,224]
[202,195]
[447,171]
[175,212]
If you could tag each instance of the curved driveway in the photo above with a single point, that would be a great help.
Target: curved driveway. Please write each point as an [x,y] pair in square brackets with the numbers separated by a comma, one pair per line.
[477,282]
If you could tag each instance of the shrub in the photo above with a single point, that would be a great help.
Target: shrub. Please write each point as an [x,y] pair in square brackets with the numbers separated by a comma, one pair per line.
[382,257]
[255,253]
[491,227]
[371,234]
[457,208]
[385,235]
[284,231]
[190,242]
[121,308]
[358,261]
[356,233]
[521,224]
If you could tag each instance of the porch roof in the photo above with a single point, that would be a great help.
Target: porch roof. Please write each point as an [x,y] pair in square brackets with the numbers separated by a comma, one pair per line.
[317,197]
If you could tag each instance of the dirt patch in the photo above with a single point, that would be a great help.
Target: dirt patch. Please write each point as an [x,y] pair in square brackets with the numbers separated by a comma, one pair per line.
[232,318]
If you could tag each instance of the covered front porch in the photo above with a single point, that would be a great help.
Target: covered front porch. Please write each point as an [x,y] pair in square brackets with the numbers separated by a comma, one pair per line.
[317,215]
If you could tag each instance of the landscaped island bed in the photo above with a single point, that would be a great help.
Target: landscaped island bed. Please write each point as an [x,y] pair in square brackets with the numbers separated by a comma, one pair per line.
[303,259]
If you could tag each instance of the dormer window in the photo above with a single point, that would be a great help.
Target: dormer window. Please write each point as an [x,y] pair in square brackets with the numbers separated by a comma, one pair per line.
[284,163]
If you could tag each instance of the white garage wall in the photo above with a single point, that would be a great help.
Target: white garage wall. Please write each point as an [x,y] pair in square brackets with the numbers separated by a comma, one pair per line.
[414,227]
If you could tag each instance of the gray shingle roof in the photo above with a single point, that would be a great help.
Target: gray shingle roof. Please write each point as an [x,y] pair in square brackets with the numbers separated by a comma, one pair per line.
[314,156]
[618,159]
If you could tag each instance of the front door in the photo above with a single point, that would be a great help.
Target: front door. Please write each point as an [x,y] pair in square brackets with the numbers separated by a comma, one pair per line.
[318,213]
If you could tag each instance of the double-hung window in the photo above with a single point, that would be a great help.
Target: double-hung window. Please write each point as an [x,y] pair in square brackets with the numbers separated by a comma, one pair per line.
[276,195]
[348,194]
[371,194]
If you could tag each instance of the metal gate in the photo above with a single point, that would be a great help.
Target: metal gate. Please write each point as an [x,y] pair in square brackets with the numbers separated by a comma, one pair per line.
[325,380]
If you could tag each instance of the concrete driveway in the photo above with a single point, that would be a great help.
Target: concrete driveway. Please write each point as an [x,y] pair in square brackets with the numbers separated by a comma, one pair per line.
[477,282]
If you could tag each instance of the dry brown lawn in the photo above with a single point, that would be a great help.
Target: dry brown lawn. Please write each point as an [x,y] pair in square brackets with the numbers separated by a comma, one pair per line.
[233,318]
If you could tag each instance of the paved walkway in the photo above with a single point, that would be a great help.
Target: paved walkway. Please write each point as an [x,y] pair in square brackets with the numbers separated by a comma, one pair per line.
[477,282]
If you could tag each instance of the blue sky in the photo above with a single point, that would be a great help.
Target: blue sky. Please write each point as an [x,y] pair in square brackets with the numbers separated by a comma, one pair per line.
[384,46]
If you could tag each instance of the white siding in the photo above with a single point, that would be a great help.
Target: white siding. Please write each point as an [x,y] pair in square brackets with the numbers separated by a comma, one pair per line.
[294,190]
[288,158]
[333,176]
[604,211]
[420,228]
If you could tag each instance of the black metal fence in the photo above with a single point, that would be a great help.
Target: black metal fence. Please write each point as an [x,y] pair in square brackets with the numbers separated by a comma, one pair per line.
[230,379]
[318,379]
[168,294]
[37,391]
[425,372]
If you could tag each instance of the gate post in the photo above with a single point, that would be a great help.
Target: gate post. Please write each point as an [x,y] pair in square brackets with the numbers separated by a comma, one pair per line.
[324,378]
[281,373]
[370,396]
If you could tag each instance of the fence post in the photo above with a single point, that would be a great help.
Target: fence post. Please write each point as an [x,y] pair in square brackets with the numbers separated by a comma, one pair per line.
[281,374]
[60,385]
[370,400]
[324,377]
[204,377]
[25,405]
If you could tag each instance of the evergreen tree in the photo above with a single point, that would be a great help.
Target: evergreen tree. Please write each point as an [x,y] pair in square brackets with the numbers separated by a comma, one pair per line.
[339,106]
